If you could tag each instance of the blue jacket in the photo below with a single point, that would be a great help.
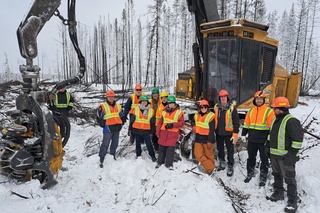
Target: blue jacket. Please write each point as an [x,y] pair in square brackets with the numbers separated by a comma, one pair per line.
[127,107]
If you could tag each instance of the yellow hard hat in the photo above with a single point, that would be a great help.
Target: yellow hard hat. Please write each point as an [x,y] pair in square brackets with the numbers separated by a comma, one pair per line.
[164,94]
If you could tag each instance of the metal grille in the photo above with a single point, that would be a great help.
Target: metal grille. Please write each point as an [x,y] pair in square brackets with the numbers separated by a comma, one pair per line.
[268,65]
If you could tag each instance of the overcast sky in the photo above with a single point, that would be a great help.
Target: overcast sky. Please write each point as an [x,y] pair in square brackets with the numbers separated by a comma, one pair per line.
[88,12]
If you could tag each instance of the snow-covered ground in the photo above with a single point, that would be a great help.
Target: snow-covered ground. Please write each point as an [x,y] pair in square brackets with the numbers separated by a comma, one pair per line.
[134,185]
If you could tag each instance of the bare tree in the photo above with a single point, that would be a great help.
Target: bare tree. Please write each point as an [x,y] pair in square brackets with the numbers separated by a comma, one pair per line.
[139,53]
[299,39]
[314,6]
[259,11]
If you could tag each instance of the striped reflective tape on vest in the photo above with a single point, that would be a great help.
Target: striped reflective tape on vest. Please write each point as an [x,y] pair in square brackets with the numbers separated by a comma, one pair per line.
[281,137]
[263,125]
[64,105]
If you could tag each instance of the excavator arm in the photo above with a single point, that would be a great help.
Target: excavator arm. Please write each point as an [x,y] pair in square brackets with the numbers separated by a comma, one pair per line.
[204,11]
[28,30]
[31,146]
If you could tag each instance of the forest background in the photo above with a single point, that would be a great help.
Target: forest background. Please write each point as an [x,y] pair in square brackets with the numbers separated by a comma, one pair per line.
[153,46]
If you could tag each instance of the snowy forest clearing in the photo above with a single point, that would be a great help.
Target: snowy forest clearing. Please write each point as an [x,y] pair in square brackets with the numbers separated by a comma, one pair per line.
[134,185]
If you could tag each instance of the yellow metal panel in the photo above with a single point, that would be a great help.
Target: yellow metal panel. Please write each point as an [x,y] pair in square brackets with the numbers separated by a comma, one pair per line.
[293,90]
[280,85]
[238,30]
[279,71]
[182,88]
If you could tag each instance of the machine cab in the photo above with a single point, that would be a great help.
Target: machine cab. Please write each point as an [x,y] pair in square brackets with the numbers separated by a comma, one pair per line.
[239,58]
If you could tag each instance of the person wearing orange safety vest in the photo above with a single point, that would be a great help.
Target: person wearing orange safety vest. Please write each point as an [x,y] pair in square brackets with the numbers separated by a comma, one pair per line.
[227,125]
[203,126]
[285,141]
[171,121]
[161,107]
[64,101]
[155,103]
[142,122]
[110,112]
[132,102]
[257,124]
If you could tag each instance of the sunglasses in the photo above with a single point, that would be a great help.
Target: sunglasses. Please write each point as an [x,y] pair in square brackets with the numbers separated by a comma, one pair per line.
[138,90]
[203,107]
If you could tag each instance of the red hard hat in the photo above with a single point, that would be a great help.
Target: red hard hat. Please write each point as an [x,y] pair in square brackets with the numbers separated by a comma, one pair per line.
[204,103]
[223,93]
[138,86]
[281,102]
[110,93]
[259,94]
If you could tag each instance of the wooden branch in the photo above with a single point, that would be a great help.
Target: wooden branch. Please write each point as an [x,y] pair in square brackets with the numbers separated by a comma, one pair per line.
[159,197]
[19,195]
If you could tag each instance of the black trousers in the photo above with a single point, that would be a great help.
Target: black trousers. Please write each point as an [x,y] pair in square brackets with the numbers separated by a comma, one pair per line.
[221,140]
[154,139]
[166,154]
[288,173]
[253,149]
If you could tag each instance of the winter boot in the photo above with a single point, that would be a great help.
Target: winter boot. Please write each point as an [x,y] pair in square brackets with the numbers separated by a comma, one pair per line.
[169,167]
[101,163]
[291,206]
[230,171]
[263,179]
[222,165]
[249,177]
[154,159]
[278,194]
[158,165]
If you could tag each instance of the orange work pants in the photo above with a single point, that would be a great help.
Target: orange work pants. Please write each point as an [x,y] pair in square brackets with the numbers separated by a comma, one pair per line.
[205,156]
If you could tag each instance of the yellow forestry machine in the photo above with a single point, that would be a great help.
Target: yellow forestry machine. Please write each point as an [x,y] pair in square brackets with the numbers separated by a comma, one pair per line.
[31,144]
[236,56]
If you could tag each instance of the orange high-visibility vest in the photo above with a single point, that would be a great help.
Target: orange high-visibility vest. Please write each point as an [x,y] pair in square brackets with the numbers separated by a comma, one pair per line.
[159,113]
[159,102]
[111,114]
[228,119]
[202,123]
[171,118]
[142,121]
[135,102]
[259,118]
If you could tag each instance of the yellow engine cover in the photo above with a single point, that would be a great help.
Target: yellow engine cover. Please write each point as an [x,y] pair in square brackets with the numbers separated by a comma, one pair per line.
[58,152]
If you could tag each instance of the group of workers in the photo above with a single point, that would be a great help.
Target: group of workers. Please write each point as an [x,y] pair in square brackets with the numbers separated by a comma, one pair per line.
[274,132]
[155,122]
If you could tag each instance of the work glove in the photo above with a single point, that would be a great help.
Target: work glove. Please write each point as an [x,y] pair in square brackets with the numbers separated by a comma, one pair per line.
[210,145]
[234,138]
[244,139]
[129,132]
[169,126]
[267,148]
[194,129]
[290,158]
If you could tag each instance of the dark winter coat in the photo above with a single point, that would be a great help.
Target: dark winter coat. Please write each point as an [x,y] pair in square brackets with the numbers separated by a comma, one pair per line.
[222,120]
[62,98]
[168,138]
[293,132]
